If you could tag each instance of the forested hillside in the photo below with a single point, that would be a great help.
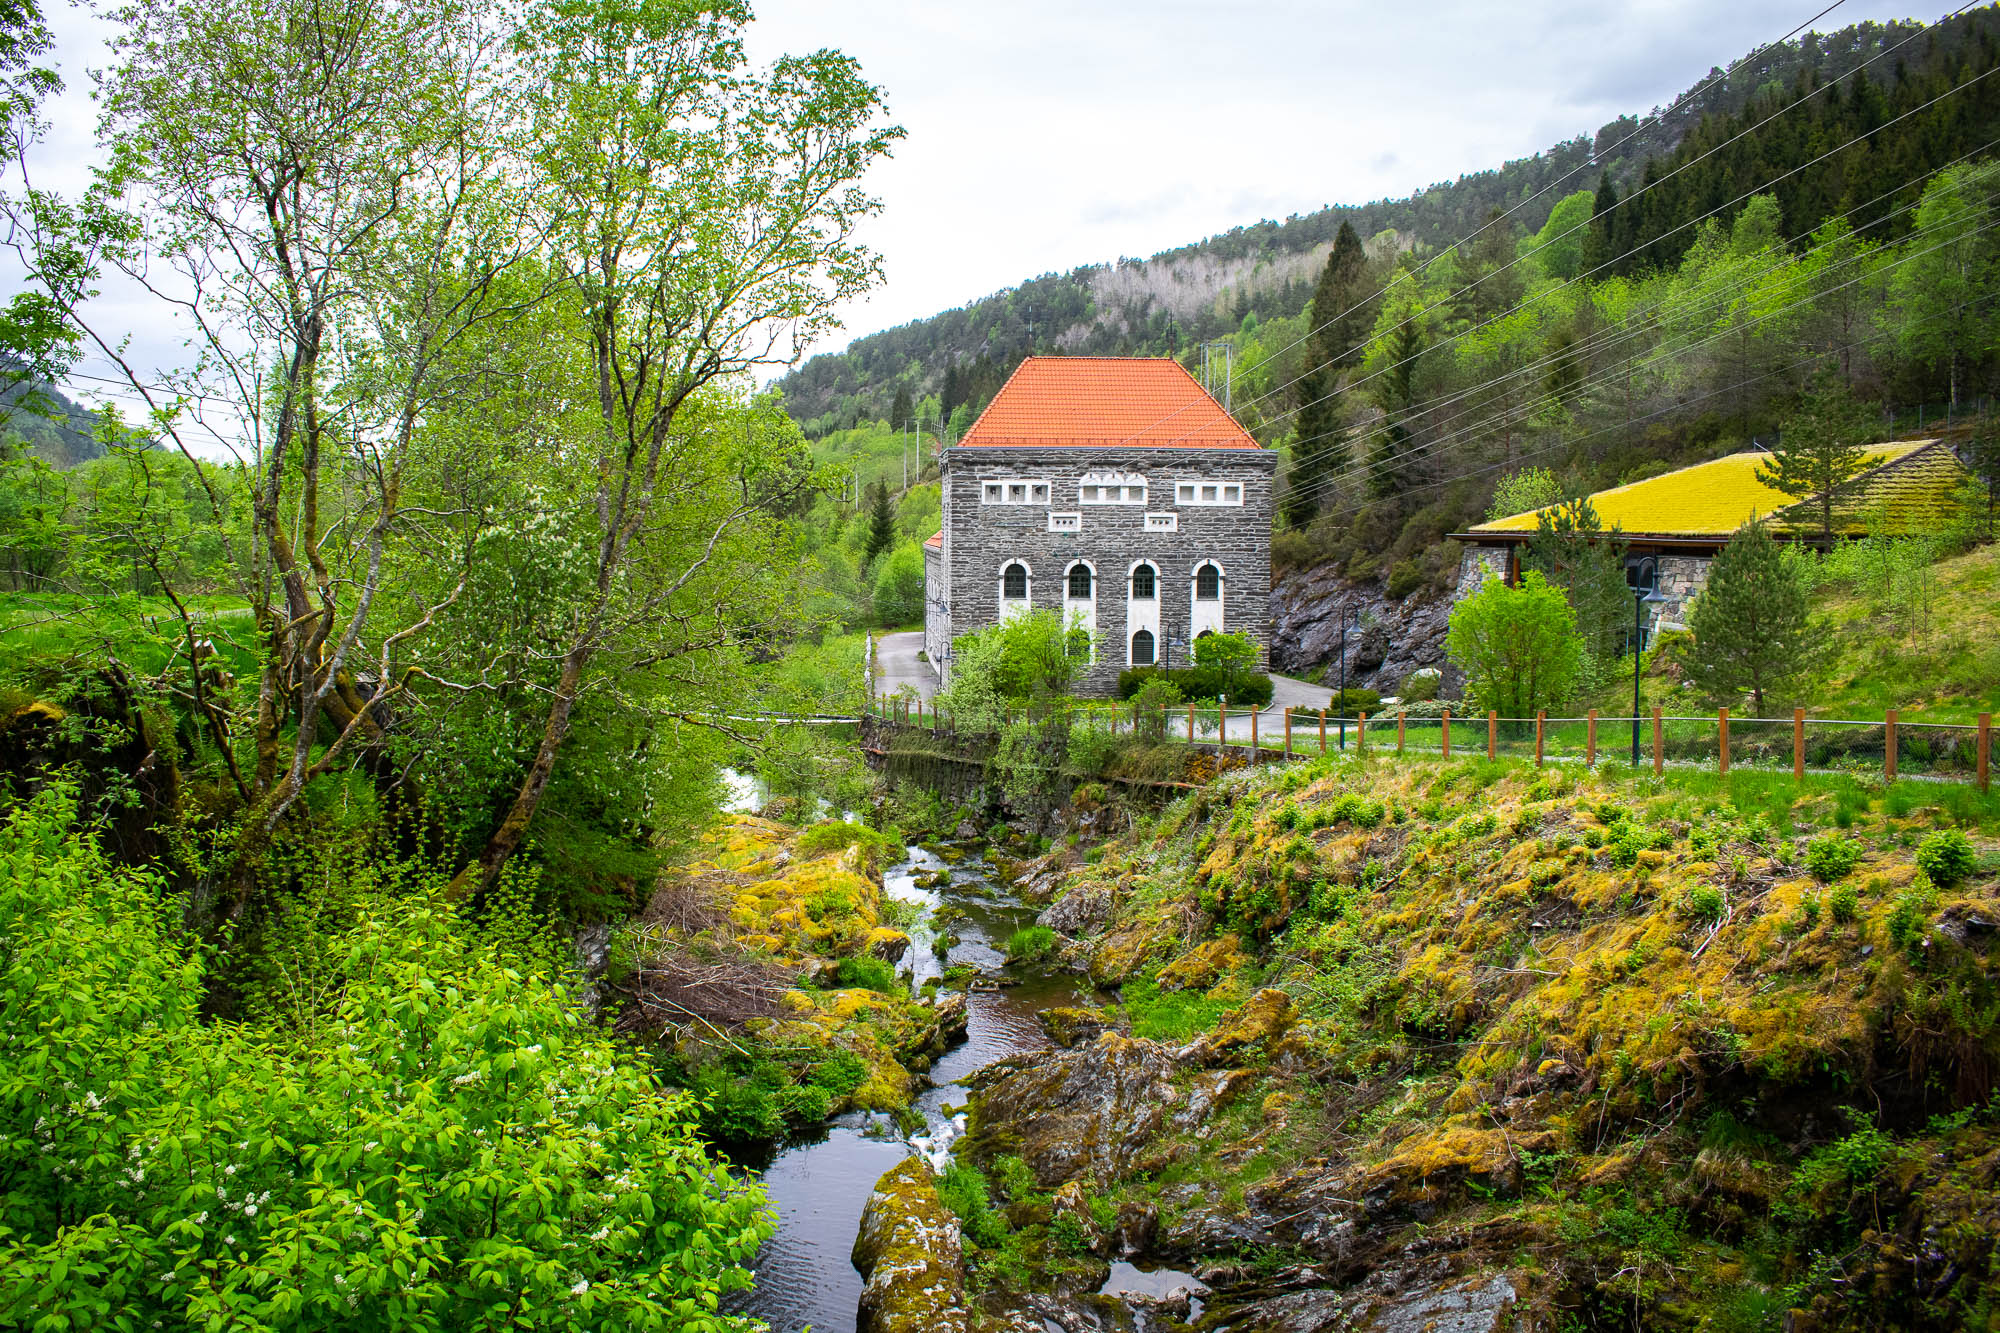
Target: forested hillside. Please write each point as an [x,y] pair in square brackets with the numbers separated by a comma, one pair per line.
[1178,297]
[47,423]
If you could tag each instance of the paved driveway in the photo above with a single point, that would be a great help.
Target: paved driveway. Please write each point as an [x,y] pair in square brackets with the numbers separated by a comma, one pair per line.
[897,665]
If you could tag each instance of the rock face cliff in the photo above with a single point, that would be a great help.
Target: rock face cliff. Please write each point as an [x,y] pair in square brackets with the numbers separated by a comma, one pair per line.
[1386,639]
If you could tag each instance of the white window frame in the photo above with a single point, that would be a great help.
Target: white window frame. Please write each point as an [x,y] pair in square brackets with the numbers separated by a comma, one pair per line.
[1061,522]
[1126,488]
[1012,605]
[1188,491]
[1163,522]
[998,491]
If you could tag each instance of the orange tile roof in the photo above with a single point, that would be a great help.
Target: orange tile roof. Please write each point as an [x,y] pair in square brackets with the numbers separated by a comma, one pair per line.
[1133,402]
[935,541]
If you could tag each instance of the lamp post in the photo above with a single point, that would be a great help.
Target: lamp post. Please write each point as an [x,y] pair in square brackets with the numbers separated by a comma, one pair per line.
[1640,597]
[1340,709]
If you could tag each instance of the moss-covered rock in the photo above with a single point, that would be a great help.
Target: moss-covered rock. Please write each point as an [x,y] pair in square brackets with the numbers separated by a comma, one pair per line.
[910,1255]
[1067,1025]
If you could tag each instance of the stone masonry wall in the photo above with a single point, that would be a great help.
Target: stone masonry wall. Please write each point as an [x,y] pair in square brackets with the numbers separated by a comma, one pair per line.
[982,538]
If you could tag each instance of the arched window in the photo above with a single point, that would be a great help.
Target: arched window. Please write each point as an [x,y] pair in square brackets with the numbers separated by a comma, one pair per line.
[1079,583]
[1143,588]
[1643,574]
[1014,582]
[1208,583]
[1142,647]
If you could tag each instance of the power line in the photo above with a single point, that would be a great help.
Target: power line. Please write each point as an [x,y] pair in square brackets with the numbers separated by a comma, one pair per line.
[1620,332]
[1375,468]
[1549,292]
[1704,87]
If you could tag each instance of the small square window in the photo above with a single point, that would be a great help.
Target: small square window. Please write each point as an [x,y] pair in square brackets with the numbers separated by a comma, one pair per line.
[1186,495]
[1041,493]
[993,492]
[1232,493]
[1208,493]
[1017,493]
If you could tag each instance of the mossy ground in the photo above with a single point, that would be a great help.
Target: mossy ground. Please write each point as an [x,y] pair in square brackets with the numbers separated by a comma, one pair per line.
[1611,1033]
[799,916]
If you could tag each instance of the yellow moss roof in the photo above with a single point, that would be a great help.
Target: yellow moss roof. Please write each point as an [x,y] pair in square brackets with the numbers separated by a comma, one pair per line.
[1707,500]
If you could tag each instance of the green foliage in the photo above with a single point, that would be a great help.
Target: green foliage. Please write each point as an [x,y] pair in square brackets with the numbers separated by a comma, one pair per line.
[1573,552]
[1820,450]
[1201,684]
[1231,653]
[866,973]
[238,1173]
[881,523]
[1947,856]
[963,1189]
[1354,700]
[1844,902]
[899,587]
[1519,492]
[1030,944]
[1169,1015]
[1751,630]
[839,834]
[1025,658]
[1519,647]
[1705,902]
[1831,856]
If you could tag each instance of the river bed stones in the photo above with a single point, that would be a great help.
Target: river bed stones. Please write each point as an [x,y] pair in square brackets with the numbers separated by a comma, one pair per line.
[910,1254]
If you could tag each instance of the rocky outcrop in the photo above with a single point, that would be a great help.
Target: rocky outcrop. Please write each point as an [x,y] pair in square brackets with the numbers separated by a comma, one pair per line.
[911,1256]
[1084,910]
[1386,639]
[1068,1025]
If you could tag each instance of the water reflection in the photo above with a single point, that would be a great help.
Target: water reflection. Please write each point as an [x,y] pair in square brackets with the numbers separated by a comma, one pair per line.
[805,1276]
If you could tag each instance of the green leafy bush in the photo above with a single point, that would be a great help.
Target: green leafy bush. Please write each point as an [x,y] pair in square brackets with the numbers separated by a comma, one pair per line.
[1353,700]
[1705,902]
[1844,901]
[866,973]
[838,835]
[1830,857]
[1030,943]
[166,1170]
[963,1189]
[1201,683]
[1947,856]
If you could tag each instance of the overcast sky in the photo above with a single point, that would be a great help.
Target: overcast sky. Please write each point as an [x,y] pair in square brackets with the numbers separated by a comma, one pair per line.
[1044,134]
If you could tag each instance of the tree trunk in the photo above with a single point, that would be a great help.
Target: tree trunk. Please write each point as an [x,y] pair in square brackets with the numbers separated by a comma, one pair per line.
[479,876]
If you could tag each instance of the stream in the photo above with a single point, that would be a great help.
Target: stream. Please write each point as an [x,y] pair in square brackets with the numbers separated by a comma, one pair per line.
[819,1186]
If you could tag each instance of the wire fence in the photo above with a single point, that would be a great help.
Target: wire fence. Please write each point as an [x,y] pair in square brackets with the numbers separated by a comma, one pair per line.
[1892,746]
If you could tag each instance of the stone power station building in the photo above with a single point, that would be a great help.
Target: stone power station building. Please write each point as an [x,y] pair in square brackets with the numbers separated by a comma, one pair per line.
[1116,491]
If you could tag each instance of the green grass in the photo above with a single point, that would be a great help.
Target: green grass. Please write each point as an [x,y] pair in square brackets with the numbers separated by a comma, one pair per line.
[144,632]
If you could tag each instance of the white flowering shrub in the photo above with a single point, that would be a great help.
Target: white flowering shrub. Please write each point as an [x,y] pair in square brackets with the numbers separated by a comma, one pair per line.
[456,1149]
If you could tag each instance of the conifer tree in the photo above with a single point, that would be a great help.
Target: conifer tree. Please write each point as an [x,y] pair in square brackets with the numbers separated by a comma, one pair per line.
[1820,451]
[1572,550]
[1600,244]
[1751,630]
[899,411]
[1339,332]
[881,523]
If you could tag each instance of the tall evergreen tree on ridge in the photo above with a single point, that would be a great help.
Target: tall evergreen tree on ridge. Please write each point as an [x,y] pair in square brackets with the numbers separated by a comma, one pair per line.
[881,523]
[1341,315]
[900,410]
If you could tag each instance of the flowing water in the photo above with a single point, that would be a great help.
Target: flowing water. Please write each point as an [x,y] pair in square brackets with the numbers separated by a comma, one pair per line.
[805,1277]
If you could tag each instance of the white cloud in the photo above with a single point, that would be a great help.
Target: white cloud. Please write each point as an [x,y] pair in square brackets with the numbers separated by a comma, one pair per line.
[1044,134]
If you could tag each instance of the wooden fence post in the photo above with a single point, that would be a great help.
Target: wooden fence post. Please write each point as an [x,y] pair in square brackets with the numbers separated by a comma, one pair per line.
[1255,713]
[1399,731]
[1985,746]
[1444,734]
[1722,748]
[1541,720]
[1221,723]
[1361,735]
[1889,747]
[1190,724]
[1659,745]
[1799,744]
[1590,742]
[1492,732]
[1288,731]
[1322,733]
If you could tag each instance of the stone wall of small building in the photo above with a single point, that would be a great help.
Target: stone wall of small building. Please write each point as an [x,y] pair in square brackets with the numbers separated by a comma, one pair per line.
[981,539]
[937,627]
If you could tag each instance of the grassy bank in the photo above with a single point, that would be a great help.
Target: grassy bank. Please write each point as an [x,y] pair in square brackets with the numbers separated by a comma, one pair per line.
[1688,1052]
